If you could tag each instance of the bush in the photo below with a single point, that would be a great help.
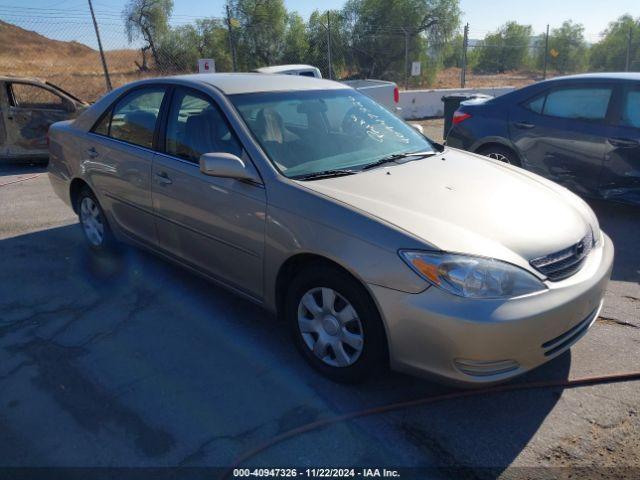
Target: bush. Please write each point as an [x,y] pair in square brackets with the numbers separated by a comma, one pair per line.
[507,49]
[610,53]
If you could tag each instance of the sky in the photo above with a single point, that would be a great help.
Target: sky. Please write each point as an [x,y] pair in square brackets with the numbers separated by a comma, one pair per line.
[68,19]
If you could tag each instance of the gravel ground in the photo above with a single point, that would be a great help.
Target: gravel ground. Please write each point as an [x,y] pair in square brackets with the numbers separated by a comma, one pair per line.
[138,363]
[433,128]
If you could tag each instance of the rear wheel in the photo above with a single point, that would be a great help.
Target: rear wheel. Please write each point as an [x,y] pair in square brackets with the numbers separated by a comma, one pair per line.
[94,223]
[335,324]
[500,153]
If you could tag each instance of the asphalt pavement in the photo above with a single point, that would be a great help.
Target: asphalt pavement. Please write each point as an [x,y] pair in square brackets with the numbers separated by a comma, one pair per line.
[138,363]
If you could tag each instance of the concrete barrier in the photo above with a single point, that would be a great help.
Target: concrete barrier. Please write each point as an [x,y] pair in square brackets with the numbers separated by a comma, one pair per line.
[417,104]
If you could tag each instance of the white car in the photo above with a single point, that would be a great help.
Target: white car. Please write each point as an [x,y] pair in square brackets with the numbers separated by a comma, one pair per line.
[383,92]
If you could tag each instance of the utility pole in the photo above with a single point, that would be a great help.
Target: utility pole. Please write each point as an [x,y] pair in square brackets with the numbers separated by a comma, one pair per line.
[329,44]
[107,79]
[406,58]
[232,46]
[627,63]
[546,53]
[465,46]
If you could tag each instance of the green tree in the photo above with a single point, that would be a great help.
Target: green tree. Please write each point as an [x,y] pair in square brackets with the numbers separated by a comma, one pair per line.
[610,53]
[148,20]
[317,38]
[177,49]
[451,52]
[180,47]
[569,45]
[506,49]
[377,30]
[261,32]
[296,43]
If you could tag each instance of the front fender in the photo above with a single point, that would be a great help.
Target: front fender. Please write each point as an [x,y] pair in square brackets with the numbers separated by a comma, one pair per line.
[304,222]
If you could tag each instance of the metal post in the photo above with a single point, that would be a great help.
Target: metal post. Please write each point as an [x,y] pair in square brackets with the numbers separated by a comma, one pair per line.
[232,47]
[465,45]
[406,58]
[627,63]
[546,53]
[329,44]
[107,79]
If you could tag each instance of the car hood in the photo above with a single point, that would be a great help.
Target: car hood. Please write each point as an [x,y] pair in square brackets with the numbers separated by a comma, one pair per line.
[461,202]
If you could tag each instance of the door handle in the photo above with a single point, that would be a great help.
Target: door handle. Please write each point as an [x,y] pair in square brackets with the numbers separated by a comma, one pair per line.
[623,142]
[163,179]
[92,152]
[523,125]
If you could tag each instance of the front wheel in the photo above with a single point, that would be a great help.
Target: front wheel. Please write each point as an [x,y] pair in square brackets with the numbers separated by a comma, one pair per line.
[335,324]
[500,153]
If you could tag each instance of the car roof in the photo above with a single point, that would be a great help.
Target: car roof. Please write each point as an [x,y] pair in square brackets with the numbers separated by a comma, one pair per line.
[601,76]
[233,83]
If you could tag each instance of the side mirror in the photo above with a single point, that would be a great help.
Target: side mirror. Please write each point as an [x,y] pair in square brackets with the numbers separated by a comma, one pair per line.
[226,165]
[418,127]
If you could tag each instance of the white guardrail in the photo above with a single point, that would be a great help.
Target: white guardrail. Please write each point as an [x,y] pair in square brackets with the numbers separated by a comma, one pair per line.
[418,104]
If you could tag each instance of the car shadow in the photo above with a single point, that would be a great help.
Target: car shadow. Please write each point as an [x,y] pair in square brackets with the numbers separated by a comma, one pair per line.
[27,168]
[622,224]
[139,358]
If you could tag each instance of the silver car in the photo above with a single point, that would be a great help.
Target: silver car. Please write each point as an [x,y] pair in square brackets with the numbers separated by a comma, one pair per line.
[378,246]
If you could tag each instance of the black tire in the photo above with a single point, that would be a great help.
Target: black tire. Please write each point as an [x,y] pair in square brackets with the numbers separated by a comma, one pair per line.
[501,153]
[108,244]
[373,354]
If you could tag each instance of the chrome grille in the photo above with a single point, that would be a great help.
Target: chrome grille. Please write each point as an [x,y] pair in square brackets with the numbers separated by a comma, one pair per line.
[559,265]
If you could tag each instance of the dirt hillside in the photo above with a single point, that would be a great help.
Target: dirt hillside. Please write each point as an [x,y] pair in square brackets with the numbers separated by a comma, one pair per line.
[17,42]
[78,69]
[72,65]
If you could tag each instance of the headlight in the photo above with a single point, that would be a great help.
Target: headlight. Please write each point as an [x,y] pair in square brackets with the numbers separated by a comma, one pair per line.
[473,277]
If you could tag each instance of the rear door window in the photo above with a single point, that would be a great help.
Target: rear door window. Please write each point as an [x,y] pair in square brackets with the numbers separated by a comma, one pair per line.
[588,103]
[133,119]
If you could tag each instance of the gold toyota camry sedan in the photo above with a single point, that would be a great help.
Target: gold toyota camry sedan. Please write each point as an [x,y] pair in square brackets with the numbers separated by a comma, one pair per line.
[378,246]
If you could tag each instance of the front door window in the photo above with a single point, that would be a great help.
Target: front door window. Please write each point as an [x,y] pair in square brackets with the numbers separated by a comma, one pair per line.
[196,126]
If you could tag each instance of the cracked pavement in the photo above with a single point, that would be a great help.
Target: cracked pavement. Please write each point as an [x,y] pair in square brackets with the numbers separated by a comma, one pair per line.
[136,362]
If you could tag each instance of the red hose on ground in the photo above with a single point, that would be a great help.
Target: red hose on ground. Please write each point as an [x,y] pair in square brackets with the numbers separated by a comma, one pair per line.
[578,382]
[21,180]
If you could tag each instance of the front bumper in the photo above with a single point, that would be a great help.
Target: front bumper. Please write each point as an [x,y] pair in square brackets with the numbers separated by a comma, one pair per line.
[472,341]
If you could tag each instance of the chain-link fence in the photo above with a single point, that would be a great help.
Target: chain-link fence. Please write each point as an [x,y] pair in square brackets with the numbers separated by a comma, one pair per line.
[62,46]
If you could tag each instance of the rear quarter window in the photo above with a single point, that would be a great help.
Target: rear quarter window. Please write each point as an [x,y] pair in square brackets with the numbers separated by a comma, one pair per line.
[102,127]
[631,109]
[536,104]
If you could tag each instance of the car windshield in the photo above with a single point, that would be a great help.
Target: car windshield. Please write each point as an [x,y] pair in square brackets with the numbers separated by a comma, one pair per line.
[308,132]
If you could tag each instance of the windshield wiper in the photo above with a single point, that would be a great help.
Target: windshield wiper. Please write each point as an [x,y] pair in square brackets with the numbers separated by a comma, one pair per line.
[397,156]
[325,174]
[342,172]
